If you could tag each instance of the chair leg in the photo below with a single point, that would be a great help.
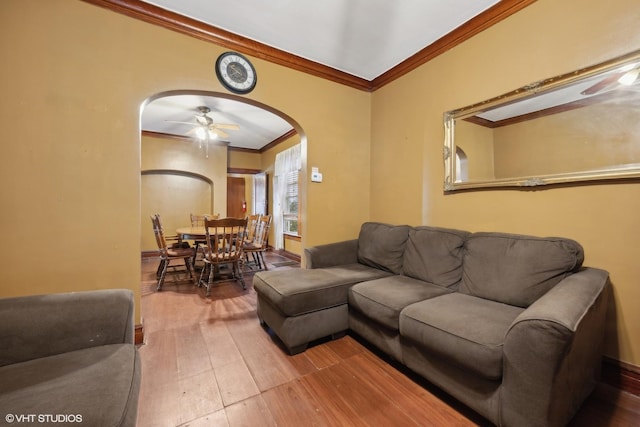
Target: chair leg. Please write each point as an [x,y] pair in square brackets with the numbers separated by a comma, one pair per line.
[261,255]
[190,269]
[163,273]
[238,268]
[256,258]
[160,267]
[202,274]
[195,253]
[212,272]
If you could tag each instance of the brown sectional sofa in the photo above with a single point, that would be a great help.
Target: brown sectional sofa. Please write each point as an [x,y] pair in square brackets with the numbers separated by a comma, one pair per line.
[511,325]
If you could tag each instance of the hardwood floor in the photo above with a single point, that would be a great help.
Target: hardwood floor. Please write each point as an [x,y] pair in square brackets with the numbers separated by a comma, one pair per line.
[208,362]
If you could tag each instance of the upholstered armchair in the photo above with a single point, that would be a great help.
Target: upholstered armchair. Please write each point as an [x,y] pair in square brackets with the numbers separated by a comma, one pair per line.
[71,355]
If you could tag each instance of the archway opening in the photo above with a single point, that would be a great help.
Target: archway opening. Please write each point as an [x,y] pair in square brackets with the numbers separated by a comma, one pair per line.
[178,179]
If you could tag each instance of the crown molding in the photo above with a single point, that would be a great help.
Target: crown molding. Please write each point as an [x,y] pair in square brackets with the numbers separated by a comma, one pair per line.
[182,24]
[157,16]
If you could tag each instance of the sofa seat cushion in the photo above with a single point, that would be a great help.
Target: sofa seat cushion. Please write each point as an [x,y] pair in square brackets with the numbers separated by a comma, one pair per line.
[382,246]
[299,291]
[516,269]
[465,330]
[434,255]
[99,384]
[383,299]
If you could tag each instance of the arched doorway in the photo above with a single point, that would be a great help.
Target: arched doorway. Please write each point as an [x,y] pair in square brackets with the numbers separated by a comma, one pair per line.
[188,179]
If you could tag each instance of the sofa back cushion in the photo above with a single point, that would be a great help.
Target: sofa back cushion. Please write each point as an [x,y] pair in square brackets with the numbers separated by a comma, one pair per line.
[515,269]
[382,245]
[434,255]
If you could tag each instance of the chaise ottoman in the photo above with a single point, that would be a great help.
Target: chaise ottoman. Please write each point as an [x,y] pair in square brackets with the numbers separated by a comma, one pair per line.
[302,305]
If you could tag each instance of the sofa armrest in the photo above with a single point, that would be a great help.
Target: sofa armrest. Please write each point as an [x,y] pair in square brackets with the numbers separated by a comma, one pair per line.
[553,352]
[44,325]
[332,254]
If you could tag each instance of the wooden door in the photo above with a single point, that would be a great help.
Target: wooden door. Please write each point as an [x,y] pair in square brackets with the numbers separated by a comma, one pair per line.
[235,197]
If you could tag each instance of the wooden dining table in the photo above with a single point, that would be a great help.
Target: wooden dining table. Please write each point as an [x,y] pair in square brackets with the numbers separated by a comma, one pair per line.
[191,233]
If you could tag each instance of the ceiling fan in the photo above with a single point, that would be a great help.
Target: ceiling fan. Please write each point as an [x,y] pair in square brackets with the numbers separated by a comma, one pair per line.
[204,126]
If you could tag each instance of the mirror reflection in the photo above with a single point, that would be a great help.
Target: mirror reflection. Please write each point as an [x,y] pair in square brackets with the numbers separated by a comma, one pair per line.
[580,126]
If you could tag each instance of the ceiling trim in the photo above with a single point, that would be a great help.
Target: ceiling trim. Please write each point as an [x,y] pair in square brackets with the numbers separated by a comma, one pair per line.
[243,171]
[191,27]
[153,134]
[279,139]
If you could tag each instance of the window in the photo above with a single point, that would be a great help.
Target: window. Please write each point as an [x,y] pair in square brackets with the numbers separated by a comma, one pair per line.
[286,197]
[290,209]
[260,204]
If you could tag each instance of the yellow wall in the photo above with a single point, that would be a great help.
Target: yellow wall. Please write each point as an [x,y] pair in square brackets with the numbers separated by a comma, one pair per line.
[201,189]
[75,75]
[545,39]
[245,159]
[74,78]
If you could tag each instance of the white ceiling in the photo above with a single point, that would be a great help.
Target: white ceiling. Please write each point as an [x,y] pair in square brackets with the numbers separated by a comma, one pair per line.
[364,38]
[258,127]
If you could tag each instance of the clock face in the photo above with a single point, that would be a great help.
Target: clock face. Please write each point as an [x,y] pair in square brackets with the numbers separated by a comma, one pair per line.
[236,73]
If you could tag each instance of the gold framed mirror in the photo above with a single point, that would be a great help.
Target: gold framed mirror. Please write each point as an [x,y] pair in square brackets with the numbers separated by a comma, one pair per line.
[580,126]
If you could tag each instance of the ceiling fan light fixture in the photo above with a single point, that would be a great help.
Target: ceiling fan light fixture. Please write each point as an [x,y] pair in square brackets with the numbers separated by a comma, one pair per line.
[201,133]
[629,77]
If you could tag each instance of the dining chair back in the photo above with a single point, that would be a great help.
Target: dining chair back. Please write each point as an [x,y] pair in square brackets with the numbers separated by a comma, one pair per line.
[224,246]
[169,253]
[252,224]
[258,246]
[197,220]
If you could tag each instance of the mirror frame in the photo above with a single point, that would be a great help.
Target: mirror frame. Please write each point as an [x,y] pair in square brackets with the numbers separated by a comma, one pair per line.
[525,92]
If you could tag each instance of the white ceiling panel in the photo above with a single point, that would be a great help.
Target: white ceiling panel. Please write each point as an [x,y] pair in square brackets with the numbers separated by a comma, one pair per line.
[364,38]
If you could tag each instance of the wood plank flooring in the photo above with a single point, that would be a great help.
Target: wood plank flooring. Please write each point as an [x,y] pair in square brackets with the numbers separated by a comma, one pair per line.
[208,362]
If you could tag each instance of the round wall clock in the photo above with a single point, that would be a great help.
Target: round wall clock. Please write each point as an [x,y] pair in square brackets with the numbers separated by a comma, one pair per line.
[236,73]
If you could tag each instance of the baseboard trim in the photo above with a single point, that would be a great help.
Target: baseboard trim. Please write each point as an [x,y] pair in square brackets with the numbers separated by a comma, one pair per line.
[138,335]
[621,375]
[150,254]
[287,254]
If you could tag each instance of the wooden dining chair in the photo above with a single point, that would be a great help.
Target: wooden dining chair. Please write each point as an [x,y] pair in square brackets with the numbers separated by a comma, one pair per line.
[258,246]
[197,220]
[224,245]
[170,253]
[252,224]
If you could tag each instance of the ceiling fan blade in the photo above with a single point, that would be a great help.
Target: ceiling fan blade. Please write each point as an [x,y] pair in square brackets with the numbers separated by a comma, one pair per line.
[603,84]
[228,126]
[184,123]
[220,133]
